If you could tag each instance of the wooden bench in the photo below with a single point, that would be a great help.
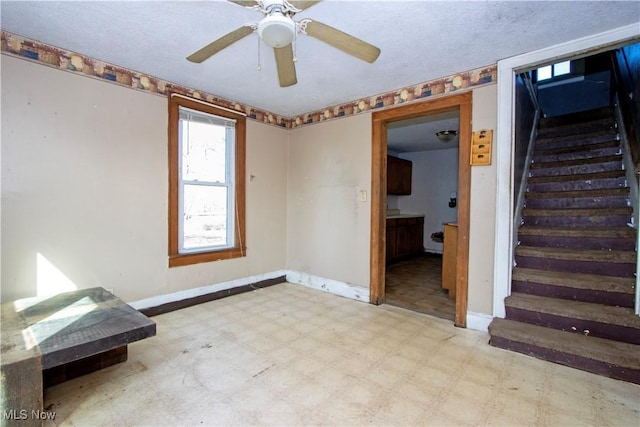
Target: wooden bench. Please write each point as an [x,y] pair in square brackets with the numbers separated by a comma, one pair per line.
[47,340]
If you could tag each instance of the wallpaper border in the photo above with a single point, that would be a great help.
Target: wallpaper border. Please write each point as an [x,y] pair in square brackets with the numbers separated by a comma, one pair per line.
[15,45]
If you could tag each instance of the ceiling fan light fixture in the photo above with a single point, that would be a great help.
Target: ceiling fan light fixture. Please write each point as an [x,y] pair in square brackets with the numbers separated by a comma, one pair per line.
[277,30]
[446,135]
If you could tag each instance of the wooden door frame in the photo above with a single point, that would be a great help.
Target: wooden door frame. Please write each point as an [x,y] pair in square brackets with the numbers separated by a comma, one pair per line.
[380,121]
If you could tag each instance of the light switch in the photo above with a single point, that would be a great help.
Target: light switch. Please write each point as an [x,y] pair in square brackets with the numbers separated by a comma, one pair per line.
[363,195]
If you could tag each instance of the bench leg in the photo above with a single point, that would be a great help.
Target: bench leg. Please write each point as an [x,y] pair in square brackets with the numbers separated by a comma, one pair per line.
[21,389]
[62,373]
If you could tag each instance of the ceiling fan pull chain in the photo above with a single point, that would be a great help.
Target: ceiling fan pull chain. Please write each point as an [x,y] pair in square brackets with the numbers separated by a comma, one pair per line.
[259,67]
[293,46]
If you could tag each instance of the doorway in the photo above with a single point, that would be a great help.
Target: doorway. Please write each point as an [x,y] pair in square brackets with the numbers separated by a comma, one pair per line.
[416,216]
[380,123]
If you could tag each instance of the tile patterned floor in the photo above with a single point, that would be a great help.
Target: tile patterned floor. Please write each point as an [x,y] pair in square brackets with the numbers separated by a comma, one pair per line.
[289,355]
[416,284]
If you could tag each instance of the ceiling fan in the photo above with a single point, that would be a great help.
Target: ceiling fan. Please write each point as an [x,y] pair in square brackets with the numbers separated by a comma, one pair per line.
[278,30]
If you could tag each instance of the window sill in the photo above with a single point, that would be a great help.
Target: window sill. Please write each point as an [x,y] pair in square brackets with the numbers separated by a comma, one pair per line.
[179,260]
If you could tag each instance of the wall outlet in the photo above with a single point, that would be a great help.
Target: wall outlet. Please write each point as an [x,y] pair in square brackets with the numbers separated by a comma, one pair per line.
[363,195]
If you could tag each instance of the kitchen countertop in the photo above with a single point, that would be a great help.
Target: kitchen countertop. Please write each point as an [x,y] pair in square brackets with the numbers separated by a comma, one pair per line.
[405,215]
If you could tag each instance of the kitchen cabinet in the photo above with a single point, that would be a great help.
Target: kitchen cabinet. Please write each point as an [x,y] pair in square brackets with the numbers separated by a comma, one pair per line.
[398,176]
[404,237]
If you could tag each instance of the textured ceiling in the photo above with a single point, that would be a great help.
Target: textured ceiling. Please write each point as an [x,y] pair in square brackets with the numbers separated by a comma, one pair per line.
[419,134]
[420,41]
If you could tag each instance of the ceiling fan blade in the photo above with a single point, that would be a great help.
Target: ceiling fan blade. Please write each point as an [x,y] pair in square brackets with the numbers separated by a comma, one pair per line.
[286,66]
[303,4]
[217,45]
[343,41]
[245,3]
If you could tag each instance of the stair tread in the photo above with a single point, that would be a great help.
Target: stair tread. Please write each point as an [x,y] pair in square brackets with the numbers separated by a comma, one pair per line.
[594,255]
[588,311]
[592,192]
[578,117]
[627,210]
[599,349]
[577,176]
[576,162]
[605,122]
[582,136]
[622,232]
[594,282]
[576,148]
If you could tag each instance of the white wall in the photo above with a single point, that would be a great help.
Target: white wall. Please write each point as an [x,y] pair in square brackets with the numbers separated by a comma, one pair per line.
[328,227]
[482,232]
[434,177]
[84,189]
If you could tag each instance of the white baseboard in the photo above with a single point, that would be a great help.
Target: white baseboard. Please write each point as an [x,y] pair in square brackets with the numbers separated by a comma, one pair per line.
[478,321]
[159,300]
[342,289]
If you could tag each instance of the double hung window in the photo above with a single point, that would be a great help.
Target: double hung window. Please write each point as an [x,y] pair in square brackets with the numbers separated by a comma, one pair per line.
[206,182]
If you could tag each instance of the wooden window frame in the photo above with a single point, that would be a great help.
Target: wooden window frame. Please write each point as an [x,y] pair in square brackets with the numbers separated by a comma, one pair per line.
[238,250]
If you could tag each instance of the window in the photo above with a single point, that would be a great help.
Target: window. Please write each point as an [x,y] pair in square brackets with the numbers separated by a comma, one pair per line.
[206,182]
[554,70]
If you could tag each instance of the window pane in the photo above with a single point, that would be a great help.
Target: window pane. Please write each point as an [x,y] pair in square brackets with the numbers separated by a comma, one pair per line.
[544,73]
[203,151]
[562,68]
[205,217]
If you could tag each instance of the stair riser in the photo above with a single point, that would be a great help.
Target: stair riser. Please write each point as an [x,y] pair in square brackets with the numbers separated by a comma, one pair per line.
[578,326]
[573,294]
[574,361]
[566,142]
[588,127]
[577,118]
[594,184]
[616,244]
[542,158]
[614,165]
[570,266]
[576,221]
[582,202]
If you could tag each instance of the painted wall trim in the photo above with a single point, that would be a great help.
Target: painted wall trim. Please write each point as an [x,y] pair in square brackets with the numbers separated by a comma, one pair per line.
[336,287]
[42,53]
[507,68]
[168,302]
[478,321]
[160,300]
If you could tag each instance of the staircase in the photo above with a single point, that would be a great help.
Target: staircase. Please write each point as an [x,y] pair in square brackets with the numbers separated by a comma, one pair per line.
[573,285]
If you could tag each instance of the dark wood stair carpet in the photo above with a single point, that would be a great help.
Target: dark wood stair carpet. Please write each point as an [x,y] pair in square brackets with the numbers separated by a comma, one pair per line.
[573,286]
[577,176]
[573,119]
[572,213]
[622,257]
[570,129]
[578,212]
[570,194]
[618,238]
[580,281]
[599,320]
[607,233]
[613,359]
[542,152]
[576,162]
[578,139]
